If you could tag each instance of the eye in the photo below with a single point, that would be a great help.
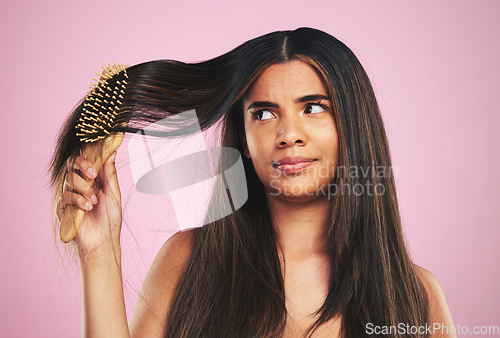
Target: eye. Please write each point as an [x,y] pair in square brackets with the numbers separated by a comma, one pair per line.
[257,114]
[315,108]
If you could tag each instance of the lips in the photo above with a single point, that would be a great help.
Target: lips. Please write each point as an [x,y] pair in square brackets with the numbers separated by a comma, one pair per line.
[293,160]
[295,164]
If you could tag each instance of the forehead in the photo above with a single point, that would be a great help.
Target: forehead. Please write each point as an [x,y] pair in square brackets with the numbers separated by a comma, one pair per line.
[286,81]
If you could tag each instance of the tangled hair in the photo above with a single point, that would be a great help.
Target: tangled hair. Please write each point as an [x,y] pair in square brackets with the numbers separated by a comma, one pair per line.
[233,285]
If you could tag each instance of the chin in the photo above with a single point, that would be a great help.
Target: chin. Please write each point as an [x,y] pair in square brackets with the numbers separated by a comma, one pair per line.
[299,192]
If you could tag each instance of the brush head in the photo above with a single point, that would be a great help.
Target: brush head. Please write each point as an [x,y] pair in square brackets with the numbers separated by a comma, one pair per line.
[103,104]
[98,122]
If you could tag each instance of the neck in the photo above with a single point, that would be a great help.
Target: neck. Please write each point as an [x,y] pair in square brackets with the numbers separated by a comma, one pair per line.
[300,226]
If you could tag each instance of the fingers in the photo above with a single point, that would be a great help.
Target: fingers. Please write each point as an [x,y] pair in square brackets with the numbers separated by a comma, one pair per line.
[76,190]
[82,164]
[69,197]
[74,181]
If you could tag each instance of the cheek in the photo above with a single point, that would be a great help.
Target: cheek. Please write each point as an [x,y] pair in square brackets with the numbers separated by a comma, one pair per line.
[255,142]
[260,149]
[328,138]
[327,135]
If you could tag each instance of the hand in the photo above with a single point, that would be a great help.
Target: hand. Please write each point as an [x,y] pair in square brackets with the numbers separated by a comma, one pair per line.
[100,229]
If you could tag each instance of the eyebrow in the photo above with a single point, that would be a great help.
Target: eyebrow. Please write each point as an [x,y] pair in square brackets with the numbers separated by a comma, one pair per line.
[307,98]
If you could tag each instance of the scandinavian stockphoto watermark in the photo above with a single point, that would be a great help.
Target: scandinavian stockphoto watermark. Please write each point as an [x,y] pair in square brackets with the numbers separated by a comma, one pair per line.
[350,180]
[427,329]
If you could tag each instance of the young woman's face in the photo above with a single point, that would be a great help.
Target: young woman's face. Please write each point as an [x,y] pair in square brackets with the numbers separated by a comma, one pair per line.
[290,130]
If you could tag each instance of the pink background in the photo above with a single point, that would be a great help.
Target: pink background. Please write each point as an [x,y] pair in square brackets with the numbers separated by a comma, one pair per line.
[434,66]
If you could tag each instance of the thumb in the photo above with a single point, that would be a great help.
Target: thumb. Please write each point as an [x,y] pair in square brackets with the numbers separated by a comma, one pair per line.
[110,178]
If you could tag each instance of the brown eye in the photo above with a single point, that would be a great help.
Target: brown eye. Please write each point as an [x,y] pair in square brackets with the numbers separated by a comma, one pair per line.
[314,108]
[259,113]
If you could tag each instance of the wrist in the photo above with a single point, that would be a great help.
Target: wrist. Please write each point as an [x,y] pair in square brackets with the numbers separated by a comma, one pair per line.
[104,254]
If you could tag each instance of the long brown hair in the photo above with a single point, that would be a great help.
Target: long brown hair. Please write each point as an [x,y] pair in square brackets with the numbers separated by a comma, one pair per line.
[233,285]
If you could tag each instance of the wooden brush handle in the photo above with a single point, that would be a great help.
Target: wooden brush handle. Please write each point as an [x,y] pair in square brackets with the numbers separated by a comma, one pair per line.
[97,153]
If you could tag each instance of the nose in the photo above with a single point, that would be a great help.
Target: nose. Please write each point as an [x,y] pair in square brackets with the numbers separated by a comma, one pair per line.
[290,133]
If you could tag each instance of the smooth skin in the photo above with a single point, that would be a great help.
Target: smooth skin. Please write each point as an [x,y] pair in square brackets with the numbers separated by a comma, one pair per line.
[287,124]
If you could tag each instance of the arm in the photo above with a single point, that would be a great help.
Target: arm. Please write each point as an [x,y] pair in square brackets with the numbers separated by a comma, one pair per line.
[103,305]
[102,291]
[98,245]
[439,311]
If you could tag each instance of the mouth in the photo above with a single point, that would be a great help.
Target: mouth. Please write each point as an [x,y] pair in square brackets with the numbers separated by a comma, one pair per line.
[293,165]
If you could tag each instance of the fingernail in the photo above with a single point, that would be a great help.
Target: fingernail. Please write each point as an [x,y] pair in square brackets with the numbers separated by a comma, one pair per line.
[88,205]
[93,199]
[91,172]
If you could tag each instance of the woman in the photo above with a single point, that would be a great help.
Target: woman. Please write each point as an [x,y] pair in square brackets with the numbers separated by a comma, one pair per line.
[313,251]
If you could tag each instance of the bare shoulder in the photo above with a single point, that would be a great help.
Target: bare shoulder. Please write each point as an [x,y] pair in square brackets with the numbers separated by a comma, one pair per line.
[160,285]
[177,248]
[439,311]
[430,282]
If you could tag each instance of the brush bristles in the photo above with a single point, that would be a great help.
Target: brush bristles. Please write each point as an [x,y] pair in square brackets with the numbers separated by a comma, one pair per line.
[102,104]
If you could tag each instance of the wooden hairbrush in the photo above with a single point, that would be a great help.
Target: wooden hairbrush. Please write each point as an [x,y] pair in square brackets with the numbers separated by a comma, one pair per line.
[101,107]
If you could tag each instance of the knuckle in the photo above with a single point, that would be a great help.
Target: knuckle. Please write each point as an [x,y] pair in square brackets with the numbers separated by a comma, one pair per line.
[83,162]
[66,197]
[70,178]
[75,162]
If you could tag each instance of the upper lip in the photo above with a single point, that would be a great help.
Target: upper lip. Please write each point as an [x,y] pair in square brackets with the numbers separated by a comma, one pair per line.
[293,160]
